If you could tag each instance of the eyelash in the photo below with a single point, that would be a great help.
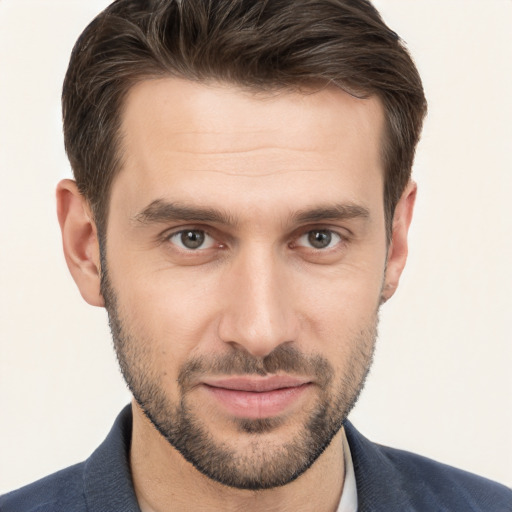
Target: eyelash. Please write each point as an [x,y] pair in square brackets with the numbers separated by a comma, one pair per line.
[329,233]
[332,234]
[182,232]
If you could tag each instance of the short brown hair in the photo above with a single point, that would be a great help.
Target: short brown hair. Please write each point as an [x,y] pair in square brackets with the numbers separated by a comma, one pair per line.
[261,44]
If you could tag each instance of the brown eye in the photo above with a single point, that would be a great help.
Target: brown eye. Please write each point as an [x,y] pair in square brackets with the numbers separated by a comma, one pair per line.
[192,239]
[319,239]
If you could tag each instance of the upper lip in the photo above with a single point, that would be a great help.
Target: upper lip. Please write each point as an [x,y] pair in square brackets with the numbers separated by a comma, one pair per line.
[256,384]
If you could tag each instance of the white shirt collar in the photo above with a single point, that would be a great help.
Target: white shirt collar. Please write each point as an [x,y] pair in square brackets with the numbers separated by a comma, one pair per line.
[348,502]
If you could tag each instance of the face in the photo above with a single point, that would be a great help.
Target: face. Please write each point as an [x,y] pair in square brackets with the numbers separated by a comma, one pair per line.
[243,270]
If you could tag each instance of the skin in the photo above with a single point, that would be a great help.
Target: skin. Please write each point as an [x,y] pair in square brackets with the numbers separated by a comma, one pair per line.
[257,284]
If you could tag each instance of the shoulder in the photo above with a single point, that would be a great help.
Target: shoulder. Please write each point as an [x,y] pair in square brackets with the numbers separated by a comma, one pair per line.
[451,487]
[388,478]
[60,492]
[101,483]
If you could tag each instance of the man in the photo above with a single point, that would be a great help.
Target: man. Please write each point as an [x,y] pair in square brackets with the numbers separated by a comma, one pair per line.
[241,209]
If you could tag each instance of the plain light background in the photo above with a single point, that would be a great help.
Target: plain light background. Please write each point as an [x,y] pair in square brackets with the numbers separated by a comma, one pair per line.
[441,384]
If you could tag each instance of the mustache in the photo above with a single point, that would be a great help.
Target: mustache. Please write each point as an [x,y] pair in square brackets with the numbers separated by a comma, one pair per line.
[283,358]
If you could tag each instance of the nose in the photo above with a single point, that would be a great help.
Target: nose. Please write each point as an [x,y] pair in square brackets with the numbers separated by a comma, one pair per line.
[258,314]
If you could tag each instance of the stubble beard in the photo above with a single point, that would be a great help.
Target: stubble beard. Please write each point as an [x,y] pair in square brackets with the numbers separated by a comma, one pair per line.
[261,465]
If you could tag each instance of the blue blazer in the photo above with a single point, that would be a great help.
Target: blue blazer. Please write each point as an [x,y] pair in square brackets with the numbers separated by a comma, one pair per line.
[388,480]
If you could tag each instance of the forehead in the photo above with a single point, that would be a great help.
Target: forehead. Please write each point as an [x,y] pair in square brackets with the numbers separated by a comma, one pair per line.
[187,139]
[292,119]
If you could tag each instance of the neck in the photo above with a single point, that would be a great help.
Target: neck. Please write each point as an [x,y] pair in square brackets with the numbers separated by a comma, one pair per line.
[165,482]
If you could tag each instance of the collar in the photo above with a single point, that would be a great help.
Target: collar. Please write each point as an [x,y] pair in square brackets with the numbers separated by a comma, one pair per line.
[348,501]
[107,479]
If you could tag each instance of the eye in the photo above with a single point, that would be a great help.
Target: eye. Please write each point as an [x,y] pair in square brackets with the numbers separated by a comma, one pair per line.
[192,239]
[319,239]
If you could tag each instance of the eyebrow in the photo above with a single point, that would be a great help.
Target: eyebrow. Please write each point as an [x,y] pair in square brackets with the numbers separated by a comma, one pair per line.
[161,211]
[335,212]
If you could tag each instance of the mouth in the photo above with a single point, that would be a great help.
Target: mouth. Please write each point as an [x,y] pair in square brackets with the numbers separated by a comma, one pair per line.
[256,397]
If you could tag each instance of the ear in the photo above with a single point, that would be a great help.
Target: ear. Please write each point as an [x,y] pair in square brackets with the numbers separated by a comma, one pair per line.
[79,241]
[398,246]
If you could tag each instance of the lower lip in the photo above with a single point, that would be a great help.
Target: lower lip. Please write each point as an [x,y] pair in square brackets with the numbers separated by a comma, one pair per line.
[253,405]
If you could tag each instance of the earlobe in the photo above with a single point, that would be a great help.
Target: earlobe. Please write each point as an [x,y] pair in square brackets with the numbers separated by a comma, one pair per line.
[79,241]
[398,246]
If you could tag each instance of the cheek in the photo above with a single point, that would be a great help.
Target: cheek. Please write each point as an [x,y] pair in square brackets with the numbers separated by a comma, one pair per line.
[174,309]
[349,293]
[340,310]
